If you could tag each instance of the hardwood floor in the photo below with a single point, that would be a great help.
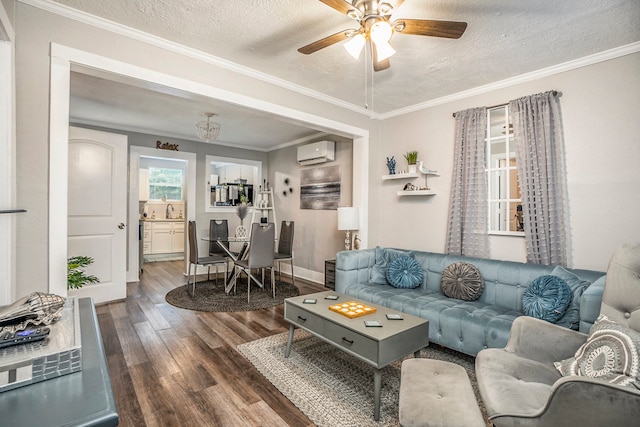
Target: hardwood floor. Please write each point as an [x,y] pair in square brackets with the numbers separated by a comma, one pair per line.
[175,367]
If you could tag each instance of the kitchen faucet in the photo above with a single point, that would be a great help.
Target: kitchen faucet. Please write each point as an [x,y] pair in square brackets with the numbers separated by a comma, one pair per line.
[172,210]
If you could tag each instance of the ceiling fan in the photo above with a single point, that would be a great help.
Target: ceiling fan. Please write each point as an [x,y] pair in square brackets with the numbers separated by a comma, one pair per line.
[377,29]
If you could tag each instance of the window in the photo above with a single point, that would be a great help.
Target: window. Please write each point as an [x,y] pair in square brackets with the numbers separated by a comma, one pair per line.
[165,182]
[225,174]
[505,203]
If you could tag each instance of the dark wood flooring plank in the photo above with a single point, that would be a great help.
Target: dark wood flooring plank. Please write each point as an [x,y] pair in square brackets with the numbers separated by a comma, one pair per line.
[132,349]
[197,378]
[154,317]
[156,351]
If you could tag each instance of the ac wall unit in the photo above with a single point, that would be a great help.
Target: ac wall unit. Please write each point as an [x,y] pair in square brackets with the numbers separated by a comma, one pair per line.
[317,152]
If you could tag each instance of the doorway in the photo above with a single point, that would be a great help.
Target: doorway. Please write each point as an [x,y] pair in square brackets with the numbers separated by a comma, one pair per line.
[144,157]
[64,58]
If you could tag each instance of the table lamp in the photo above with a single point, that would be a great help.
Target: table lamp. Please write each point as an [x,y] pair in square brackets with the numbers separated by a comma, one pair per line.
[348,220]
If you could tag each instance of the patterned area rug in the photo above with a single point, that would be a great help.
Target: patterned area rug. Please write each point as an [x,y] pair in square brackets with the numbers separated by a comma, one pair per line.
[331,387]
[211,297]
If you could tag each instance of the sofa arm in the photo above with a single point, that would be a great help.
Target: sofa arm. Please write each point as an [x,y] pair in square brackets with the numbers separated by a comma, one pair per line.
[590,303]
[353,267]
[542,341]
[581,401]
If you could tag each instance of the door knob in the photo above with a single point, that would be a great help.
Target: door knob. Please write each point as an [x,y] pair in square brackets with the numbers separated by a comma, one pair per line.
[121,226]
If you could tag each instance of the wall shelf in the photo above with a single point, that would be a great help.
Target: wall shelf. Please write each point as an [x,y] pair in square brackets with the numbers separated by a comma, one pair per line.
[400,176]
[416,193]
[411,176]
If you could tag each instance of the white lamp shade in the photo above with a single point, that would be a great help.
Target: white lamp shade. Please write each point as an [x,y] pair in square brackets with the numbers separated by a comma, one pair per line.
[348,218]
[355,45]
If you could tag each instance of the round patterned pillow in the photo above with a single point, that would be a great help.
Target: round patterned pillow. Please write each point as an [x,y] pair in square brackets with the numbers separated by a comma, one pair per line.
[611,353]
[405,272]
[546,298]
[462,280]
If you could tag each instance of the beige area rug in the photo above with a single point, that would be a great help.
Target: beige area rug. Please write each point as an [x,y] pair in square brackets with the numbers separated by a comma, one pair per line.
[331,387]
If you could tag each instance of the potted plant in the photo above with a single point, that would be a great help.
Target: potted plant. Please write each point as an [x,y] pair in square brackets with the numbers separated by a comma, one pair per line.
[412,159]
[76,276]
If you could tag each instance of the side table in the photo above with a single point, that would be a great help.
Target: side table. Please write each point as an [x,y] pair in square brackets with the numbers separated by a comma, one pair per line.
[83,398]
[330,274]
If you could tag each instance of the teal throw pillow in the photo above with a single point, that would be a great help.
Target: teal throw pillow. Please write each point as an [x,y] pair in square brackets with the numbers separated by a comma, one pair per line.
[546,298]
[405,272]
[571,318]
[383,257]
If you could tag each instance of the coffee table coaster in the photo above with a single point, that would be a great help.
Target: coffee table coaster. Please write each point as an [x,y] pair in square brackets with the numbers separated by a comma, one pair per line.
[352,309]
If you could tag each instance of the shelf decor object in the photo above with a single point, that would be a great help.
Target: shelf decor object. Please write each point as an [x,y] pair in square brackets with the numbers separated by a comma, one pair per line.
[348,220]
[391,164]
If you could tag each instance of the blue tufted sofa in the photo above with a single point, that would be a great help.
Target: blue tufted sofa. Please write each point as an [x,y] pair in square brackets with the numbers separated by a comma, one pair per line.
[465,326]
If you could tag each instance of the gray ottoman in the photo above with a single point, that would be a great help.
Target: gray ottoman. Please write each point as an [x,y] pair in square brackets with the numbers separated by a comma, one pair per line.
[436,393]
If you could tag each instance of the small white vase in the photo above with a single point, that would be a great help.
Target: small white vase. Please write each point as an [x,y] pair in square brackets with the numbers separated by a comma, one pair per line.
[241,231]
[412,169]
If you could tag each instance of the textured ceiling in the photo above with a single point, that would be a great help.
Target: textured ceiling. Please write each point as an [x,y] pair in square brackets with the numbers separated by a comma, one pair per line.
[504,39]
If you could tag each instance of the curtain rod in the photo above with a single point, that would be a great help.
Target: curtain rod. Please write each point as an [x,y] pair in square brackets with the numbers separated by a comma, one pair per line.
[555,92]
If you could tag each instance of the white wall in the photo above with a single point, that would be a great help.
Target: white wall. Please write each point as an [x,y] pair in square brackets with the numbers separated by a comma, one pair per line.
[600,105]
[316,233]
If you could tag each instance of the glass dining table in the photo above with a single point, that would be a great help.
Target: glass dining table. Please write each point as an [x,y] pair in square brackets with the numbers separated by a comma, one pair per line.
[242,254]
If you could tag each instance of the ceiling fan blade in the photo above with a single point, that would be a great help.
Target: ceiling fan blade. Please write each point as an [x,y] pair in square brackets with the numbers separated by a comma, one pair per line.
[339,5]
[381,65]
[322,43]
[378,65]
[425,27]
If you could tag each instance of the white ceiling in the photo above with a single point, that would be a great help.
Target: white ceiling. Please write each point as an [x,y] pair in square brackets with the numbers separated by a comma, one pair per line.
[504,39]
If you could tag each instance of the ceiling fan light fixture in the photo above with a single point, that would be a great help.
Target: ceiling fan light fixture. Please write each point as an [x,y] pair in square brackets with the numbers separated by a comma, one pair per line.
[206,130]
[355,45]
[381,32]
[384,50]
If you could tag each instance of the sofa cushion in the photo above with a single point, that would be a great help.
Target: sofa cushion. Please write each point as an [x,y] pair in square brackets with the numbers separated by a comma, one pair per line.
[383,257]
[546,298]
[611,353]
[571,318]
[462,280]
[404,272]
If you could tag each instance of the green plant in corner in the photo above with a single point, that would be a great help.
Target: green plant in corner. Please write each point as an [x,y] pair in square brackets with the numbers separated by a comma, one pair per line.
[76,276]
[412,157]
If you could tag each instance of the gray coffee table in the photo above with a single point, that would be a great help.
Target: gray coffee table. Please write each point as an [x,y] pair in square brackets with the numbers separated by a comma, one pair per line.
[377,346]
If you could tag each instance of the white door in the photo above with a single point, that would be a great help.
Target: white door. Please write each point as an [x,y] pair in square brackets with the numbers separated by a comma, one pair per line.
[97,210]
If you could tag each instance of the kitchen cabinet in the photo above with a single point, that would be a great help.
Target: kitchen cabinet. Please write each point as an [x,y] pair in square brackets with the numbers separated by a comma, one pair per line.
[164,237]
[143,185]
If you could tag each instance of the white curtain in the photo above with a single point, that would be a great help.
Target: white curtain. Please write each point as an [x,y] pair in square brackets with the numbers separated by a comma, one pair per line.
[537,131]
[467,232]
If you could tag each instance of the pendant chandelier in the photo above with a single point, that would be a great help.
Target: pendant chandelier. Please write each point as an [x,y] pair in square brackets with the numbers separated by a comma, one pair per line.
[208,130]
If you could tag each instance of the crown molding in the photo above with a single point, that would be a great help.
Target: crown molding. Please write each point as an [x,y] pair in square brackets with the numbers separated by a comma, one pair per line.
[527,77]
[114,27]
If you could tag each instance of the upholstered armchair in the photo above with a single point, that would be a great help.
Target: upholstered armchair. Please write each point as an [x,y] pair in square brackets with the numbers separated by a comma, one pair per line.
[521,386]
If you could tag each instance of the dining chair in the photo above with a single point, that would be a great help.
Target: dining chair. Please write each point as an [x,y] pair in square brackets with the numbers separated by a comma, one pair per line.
[218,231]
[285,248]
[260,256]
[194,259]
